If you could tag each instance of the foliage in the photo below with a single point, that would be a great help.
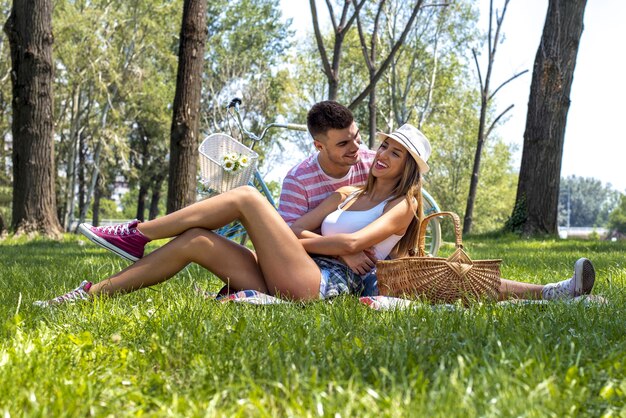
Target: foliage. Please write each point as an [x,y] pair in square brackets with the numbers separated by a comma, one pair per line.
[518,217]
[129,204]
[496,192]
[447,108]
[431,57]
[6,194]
[5,92]
[110,56]
[451,130]
[587,200]
[247,41]
[116,69]
[108,210]
[168,351]
[617,218]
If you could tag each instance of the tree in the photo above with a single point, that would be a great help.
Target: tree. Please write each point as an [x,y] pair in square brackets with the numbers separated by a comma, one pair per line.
[29,29]
[101,65]
[246,45]
[617,218]
[430,58]
[331,68]
[370,56]
[493,39]
[452,129]
[430,84]
[5,124]
[536,203]
[5,92]
[185,119]
[585,201]
[370,51]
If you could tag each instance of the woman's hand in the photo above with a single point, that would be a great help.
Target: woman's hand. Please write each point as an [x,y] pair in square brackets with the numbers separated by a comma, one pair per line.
[362,262]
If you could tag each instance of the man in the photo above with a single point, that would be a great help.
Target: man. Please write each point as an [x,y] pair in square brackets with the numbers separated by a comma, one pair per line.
[340,161]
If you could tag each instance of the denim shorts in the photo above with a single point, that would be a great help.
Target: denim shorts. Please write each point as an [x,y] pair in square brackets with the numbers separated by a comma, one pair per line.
[338,279]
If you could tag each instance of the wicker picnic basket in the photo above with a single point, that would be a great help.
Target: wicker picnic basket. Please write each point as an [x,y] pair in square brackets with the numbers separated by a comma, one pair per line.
[213,176]
[438,279]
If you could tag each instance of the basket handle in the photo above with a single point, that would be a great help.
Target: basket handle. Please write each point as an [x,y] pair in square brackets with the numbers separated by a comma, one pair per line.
[422,231]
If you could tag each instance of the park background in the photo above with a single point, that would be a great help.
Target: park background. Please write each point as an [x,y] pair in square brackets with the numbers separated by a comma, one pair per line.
[114,88]
[593,125]
[167,351]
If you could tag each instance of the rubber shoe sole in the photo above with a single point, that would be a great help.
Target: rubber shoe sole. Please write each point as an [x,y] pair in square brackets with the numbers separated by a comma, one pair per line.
[585,276]
[105,244]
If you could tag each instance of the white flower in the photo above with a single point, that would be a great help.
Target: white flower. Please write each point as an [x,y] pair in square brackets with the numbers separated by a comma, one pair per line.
[228,165]
[244,161]
[231,156]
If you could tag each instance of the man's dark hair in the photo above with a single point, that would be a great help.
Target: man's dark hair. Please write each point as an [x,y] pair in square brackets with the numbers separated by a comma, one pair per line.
[327,115]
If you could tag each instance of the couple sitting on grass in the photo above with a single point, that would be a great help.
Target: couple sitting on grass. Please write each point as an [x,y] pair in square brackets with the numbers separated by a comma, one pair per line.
[346,205]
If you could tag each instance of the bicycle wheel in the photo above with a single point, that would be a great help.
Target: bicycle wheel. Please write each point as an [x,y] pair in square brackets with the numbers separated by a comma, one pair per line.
[433,232]
[235,232]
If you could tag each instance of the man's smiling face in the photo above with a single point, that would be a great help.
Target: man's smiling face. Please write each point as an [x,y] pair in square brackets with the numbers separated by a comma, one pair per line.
[339,149]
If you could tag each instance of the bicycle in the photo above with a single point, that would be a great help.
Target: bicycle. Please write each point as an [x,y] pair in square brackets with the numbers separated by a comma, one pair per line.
[216,178]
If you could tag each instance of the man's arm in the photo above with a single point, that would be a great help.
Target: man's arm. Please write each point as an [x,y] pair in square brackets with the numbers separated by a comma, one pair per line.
[294,200]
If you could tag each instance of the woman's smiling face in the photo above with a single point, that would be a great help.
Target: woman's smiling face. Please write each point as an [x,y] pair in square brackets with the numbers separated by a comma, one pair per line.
[390,159]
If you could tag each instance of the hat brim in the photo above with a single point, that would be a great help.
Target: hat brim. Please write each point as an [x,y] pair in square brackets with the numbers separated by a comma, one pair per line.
[421,164]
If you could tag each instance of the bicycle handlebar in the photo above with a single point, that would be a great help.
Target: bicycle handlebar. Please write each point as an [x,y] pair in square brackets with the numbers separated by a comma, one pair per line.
[233,106]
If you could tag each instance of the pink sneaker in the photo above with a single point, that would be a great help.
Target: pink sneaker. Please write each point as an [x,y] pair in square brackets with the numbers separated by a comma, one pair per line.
[80,293]
[124,240]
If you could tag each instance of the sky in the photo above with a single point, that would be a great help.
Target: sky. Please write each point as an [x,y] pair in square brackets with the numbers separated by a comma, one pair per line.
[595,146]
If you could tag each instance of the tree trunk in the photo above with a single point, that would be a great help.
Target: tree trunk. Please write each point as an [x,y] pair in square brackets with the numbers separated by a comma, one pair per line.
[141,201]
[493,39]
[536,205]
[70,192]
[95,208]
[184,133]
[372,110]
[82,178]
[29,29]
[471,197]
[156,197]
[2,146]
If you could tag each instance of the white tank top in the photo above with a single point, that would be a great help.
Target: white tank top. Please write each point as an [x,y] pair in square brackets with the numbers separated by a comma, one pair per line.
[349,221]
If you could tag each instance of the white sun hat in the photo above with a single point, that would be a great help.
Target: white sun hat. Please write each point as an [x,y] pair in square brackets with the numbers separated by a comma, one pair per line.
[414,141]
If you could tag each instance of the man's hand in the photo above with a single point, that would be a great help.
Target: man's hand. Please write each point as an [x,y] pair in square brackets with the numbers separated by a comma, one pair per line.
[362,262]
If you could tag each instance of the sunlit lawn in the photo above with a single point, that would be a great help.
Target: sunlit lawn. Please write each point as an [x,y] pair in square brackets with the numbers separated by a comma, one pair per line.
[168,352]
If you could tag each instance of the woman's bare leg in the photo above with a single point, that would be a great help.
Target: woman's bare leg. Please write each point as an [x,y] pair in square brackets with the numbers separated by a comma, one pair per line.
[287,268]
[519,290]
[285,265]
[211,213]
[232,263]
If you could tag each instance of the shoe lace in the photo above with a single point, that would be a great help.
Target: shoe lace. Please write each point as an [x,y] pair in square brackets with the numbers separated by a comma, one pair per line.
[118,229]
[76,294]
[558,290]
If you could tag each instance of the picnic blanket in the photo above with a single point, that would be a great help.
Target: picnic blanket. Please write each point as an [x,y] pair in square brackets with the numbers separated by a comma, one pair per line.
[383,303]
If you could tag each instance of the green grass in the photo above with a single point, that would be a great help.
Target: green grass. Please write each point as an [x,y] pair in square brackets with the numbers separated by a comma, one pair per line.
[167,352]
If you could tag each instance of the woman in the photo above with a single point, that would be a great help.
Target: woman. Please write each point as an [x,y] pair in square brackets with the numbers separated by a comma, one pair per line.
[357,227]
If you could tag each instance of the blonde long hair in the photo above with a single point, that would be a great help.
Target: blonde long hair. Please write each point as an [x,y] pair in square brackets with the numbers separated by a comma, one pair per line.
[410,186]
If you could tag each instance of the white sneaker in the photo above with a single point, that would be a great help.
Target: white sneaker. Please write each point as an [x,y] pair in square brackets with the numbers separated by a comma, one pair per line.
[80,293]
[581,283]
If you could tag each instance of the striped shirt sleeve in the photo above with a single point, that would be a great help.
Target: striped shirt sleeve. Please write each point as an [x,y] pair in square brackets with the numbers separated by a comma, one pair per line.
[294,201]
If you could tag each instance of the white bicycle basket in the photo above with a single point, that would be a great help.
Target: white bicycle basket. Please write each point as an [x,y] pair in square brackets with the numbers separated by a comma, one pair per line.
[215,173]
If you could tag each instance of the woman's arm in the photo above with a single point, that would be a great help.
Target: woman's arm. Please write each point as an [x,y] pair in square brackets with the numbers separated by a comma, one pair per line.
[394,220]
[312,221]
